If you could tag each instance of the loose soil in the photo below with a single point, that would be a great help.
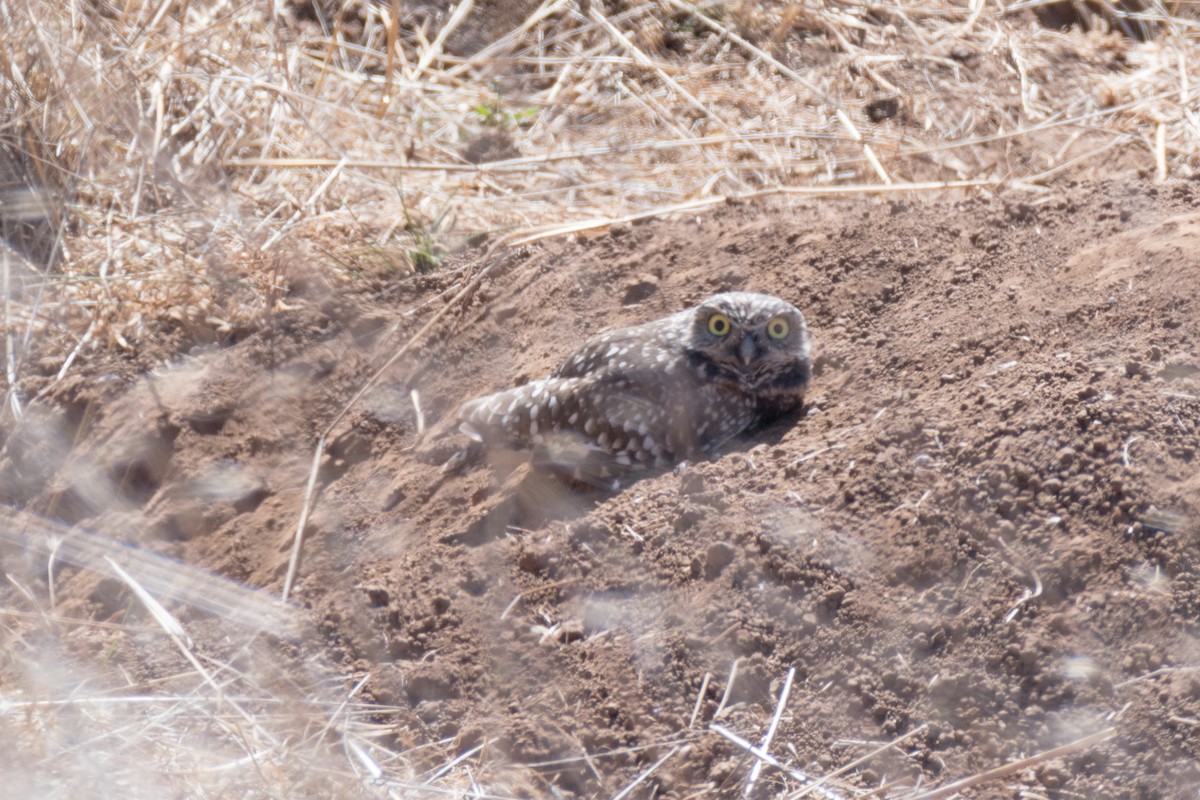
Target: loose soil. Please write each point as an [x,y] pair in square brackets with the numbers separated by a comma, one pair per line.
[981,531]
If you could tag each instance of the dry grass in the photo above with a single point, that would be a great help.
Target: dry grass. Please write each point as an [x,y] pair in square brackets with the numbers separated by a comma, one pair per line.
[180,149]
[135,707]
[164,165]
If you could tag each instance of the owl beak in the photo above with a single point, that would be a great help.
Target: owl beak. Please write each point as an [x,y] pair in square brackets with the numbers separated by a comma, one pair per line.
[747,351]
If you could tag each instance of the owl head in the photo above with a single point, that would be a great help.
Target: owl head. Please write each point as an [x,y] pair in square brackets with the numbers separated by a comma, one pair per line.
[755,343]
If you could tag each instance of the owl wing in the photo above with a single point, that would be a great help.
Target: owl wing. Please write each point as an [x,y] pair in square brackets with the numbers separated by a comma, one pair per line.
[592,429]
[519,417]
[626,348]
[642,417]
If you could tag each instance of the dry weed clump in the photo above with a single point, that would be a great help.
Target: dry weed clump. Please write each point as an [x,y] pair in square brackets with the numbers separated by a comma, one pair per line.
[134,707]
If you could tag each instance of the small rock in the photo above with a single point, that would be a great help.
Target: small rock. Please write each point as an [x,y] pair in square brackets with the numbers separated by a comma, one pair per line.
[692,483]
[570,631]
[532,561]
[884,108]
[377,596]
[722,771]
[1053,775]
[640,289]
[718,556]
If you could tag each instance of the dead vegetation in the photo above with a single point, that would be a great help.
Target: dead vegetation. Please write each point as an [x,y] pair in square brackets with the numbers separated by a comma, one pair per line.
[162,166]
[158,158]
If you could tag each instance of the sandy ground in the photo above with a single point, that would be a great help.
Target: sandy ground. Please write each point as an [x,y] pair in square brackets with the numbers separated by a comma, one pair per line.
[980,534]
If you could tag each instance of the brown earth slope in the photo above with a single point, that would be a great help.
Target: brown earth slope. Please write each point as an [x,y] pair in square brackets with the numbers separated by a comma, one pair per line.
[982,529]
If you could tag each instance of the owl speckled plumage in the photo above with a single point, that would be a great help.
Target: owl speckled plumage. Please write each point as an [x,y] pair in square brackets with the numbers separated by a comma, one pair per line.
[655,393]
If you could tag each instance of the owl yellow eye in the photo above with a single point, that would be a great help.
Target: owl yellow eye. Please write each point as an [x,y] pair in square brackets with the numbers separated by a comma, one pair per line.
[719,325]
[777,328]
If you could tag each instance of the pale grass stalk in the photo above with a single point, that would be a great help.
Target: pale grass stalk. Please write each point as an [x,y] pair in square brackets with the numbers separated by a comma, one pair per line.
[28,595]
[339,711]
[522,595]
[1013,767]
[843,118]
[733,672]
[873,159]
[858,762]
[620,751]
[74,621]
[560,82]
[125,699]
[925,186]
[1154,674]
[699,699]
[598,16]
[767,758]
[310,487]
[10,352]
[509,40]
[51,56]
[765,744]
[1033,180]
[434,50]
[82,343]
[363,757]
[1184,80]
[684,140]
[164,577]
[183,643]
[454,762]
[51,583]
[977,7]
[415,397]
[641,778]
[758,53]
[654,109]
[527,237]
[410,788]
[1026,596]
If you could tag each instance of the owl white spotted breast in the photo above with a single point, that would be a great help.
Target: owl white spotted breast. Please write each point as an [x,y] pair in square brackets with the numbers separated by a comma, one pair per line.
[655,393]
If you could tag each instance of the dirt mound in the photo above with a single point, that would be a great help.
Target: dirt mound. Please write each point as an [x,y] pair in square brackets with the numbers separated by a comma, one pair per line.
[979,536]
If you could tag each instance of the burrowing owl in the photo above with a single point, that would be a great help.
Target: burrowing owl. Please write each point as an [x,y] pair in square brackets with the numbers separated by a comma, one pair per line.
[657,392]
